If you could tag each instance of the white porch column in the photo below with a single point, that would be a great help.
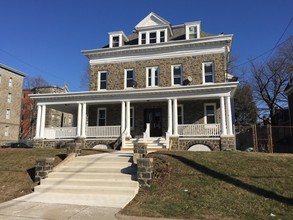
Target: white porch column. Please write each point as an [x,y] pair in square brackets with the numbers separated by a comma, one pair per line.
[122,117]
[170,116]
[43,120]
[79,119]
[39,115]
[128,118]
[175,118]
[83,120]
[229,116]
[223,117]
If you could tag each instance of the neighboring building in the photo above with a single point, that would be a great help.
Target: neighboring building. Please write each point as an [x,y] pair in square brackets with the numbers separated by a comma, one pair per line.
[54,118]
[164,85]
[10,101]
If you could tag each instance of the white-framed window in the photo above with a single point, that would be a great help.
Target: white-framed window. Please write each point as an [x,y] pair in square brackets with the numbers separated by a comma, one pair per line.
[116,41]
[129,78]
[132,118]
[70,121]
[208,72]
[6,131]
[102,80]
[102,116]
[180,113]
[192,30]
[152,76]
[9,98]
[10,82]
[154,36]
[176,75]
[7,114]
[210,113]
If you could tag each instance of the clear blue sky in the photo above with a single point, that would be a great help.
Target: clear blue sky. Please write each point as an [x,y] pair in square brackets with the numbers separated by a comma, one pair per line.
[45,37]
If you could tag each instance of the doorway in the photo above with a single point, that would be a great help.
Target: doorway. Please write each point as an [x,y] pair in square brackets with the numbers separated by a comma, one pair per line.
[154,118]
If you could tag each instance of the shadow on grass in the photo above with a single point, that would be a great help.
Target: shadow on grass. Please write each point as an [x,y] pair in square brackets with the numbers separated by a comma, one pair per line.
[31,173]
[233,181]
[62,156]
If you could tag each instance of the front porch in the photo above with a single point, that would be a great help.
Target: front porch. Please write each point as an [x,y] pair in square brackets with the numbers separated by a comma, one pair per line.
[149,116]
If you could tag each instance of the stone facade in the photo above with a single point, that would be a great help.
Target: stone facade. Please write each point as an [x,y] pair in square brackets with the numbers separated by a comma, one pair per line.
[192,66]
[10,103]
[43,167]
[145,170]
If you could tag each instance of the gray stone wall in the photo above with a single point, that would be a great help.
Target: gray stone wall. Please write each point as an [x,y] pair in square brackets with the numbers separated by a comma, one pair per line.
[145,170]
[213,144]
[192,66]
[43,167]
[228,143]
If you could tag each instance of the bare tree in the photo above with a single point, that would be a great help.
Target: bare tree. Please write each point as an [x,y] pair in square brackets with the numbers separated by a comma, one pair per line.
[85,78]
[270,78]
[33,82]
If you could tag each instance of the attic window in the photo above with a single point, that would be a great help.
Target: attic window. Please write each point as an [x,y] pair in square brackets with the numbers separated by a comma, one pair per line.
[115,41]
[192,30]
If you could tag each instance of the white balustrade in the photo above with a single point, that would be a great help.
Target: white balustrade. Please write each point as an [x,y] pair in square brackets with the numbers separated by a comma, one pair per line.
[199,130]
[103,131]
[65,132]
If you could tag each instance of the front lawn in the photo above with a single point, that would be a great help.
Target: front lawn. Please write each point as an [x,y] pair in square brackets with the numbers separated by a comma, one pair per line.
[218,185]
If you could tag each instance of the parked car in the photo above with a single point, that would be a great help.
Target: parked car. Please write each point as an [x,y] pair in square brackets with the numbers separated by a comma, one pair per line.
[16,145]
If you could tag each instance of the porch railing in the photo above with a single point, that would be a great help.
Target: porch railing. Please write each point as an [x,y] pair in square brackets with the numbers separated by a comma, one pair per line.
[103,131]
[199,130]
[65,132]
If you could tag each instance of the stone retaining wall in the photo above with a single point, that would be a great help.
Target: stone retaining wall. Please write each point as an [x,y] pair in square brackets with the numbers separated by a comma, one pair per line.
[43,166]
[145,170]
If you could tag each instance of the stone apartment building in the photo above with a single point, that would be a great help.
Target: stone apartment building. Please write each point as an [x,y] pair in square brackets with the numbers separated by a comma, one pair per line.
[164,85]
[10,103]
[54,118]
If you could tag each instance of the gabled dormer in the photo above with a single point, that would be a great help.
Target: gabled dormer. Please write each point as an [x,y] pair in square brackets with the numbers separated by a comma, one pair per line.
[192,30]
[117,39]
[153,29]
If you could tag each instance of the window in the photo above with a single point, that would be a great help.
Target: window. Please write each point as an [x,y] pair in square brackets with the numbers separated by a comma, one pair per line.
[0,79]
[210,113]
[131,118]
[8,114]
[192,30]
[176,75]
[152,78]
[101,117]
[10,82]
[115,41]
[153,37]
[6,131]
[143,38]
[9,98]
[102,80]
[208,72]
[129,78]
[23,106]
[70,121]
[180,114]
[162,36]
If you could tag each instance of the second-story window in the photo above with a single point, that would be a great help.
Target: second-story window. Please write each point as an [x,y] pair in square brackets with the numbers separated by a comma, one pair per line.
[10,82]
[208,72]
[8,114]
[152,78]
[177,75]
[115,41]
[129,78]
[103,80]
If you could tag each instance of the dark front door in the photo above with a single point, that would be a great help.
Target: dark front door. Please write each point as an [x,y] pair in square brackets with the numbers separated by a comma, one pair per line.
[154,118]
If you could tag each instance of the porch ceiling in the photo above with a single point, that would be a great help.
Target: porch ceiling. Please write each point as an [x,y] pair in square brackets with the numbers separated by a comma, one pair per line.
[67,101]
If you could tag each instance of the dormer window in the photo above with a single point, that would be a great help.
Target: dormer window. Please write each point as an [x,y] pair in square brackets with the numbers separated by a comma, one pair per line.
[162,36]
[152,37]
[143,38]
[192,30]
[116,39]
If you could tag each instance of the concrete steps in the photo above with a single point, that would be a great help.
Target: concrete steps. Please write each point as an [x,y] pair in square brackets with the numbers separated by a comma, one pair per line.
[107,180]
[152,143]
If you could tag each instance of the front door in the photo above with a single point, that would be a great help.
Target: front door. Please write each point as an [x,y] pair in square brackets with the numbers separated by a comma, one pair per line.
[154,118]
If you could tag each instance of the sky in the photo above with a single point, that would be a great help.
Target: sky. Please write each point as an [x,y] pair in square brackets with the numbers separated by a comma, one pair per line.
[45,37]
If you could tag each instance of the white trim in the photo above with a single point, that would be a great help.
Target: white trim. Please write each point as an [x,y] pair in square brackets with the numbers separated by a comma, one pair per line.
[153,76]
[125,77]
[99,79]
[6,131]
[148,32]
[98,116]
[8,114]
[172,74]
[205,112]
[204,73]
[196,24]
[9,98]
[132,109]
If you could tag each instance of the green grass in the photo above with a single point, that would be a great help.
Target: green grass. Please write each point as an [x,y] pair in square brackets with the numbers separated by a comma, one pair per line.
[218,185]
[17,170]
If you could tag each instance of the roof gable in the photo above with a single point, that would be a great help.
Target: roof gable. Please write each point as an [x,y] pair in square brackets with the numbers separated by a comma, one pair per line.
[152,20]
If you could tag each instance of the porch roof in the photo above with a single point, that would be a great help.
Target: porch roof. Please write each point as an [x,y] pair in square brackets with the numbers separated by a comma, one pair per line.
[206,91]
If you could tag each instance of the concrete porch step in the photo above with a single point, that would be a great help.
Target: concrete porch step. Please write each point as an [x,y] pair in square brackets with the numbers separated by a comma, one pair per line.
[92,169]
[89,190]
[109,159]
[91,175]
[97,164]
[88,182]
